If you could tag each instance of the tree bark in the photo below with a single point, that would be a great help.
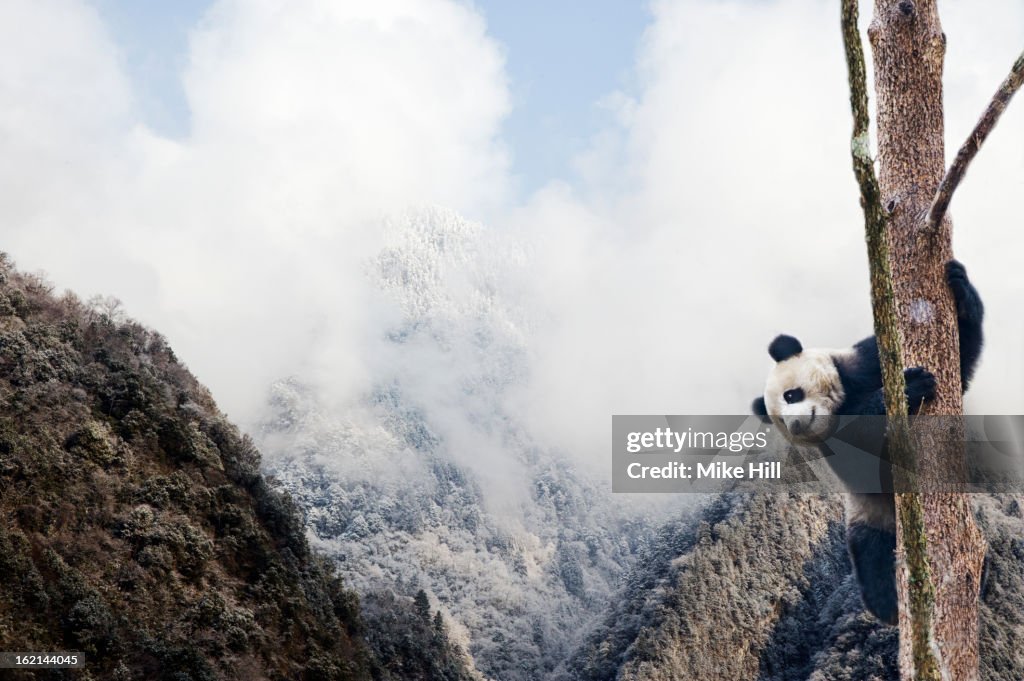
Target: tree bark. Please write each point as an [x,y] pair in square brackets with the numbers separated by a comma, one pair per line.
[908,47]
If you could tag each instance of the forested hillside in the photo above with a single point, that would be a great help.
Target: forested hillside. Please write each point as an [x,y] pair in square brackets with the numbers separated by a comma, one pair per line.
[136,527]
[760,588]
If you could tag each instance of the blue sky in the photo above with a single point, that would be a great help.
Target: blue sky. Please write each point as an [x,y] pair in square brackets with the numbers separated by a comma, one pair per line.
[153,39]
[561,57]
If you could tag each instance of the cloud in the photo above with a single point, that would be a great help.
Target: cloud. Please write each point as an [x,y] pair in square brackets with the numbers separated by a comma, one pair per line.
[717,211]
[64,106]
[365,105]
[244,242]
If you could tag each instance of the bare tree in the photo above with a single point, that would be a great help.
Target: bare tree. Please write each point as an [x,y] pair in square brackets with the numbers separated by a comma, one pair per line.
[107,308]
[909,243]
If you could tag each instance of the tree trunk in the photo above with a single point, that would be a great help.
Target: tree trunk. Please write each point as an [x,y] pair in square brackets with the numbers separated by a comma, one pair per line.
[908,47]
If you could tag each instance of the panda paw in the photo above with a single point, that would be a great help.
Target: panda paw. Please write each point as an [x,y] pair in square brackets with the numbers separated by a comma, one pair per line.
[955,271]
[968,304]
[920,386]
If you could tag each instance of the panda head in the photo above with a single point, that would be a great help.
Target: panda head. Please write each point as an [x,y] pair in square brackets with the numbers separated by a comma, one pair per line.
[803,392]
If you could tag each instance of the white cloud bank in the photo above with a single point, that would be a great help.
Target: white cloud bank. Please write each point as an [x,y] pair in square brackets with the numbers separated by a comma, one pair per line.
[721,211]
[244,241]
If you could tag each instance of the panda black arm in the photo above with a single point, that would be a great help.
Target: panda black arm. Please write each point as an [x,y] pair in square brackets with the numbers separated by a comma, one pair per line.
[970,312]
[920,388]
[860,372]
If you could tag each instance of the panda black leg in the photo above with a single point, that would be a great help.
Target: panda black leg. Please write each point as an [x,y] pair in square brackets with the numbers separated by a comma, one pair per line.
[920,387]
[985,574]
[873,552]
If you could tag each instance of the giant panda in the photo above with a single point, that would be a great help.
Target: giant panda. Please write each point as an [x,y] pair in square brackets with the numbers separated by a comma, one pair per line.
[807,388]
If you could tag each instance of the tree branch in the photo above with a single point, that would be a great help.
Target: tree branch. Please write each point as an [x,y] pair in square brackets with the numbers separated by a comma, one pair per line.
[970,148]
[909,509]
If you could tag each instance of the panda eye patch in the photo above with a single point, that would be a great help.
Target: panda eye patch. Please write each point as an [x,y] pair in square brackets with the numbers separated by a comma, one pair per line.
[793,396]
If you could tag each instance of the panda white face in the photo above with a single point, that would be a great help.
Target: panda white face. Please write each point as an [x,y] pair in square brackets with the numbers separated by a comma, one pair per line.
[802,395]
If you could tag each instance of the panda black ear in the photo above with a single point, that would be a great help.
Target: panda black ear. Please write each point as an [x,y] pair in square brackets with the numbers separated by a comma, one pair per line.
[784,347]
[759,409]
